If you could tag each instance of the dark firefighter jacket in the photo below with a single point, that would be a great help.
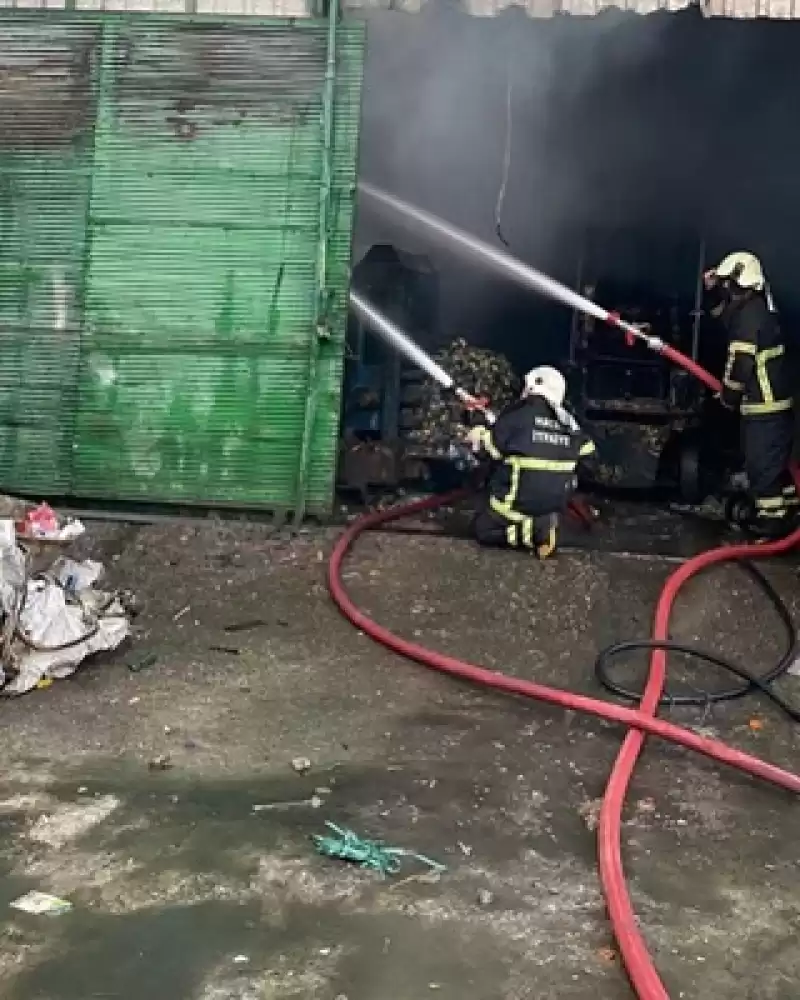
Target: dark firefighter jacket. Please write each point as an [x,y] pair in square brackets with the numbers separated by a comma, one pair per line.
[535,460]
[757,378]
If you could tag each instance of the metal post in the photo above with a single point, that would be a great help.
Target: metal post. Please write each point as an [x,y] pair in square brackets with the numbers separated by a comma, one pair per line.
[321,329]
[698,301]
[103,72]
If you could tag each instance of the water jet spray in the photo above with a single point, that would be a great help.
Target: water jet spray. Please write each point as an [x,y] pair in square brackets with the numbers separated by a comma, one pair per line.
[512,267]
[403,344]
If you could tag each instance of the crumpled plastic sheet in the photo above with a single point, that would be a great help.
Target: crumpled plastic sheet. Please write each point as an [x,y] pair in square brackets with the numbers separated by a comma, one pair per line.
[12,566]
[60,612]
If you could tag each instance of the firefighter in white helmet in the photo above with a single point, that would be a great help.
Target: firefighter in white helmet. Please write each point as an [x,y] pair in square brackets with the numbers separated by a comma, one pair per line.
[757,382]
[535,446]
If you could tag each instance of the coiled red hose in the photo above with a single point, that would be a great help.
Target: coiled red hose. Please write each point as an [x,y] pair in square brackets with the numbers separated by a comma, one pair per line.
[640,722]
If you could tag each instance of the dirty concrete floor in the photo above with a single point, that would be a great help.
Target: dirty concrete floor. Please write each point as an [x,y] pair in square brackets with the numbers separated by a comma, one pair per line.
[199,882]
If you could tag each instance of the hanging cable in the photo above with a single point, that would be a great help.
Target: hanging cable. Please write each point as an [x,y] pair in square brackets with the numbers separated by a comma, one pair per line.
[506,169]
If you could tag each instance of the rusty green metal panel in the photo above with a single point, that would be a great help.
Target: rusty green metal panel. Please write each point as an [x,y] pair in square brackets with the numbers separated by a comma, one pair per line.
[46,115]
[201,289]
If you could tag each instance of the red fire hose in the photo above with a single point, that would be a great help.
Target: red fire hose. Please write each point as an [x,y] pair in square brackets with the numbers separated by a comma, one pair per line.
[640,722]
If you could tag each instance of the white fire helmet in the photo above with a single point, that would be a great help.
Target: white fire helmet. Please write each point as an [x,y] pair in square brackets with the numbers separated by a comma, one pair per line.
[548,383]
[744,269]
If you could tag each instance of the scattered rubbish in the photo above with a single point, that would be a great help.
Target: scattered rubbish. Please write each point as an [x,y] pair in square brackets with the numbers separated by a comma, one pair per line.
[160,763]
[142,664]
[606,955]
[707,732]
[485,897]
[56,631]
[71,820]
[70,530]
[794,669]
[8,534]
[428,877]
[179,614]
[465,849]
[42,524]
[589,811]
[42,520]
[42,904]
[301,764]
[756,725]
[52,619]
[76,576]
[348,846]
[246,626]
[315,802]
[240,959]
[231,650]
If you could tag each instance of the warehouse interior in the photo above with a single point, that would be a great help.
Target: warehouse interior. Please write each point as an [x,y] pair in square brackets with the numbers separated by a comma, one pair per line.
[622,149]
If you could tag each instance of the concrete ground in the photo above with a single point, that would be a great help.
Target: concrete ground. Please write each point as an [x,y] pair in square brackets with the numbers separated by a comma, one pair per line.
[198,880]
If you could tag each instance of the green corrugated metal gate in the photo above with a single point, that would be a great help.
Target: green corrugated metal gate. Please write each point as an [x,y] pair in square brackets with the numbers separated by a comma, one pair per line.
[175,215]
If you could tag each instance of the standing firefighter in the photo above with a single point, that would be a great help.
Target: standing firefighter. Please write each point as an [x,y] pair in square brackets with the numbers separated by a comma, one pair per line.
[757,381]
[535,445]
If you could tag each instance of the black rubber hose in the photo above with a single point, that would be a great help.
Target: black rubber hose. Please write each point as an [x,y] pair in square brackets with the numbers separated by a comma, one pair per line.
[752,681]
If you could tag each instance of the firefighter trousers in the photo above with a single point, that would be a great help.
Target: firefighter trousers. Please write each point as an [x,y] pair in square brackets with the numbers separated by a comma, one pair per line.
[767,442]
[535,534]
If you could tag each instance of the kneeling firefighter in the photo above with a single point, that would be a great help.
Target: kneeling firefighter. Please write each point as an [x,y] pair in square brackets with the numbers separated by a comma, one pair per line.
[758,382]
[535,446]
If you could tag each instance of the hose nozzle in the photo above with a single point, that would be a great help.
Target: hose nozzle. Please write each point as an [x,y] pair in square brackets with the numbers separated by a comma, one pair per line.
[480,403]
[635,331]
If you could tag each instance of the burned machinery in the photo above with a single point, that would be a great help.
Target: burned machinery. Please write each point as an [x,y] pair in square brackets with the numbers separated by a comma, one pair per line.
[651,422]
[404,288]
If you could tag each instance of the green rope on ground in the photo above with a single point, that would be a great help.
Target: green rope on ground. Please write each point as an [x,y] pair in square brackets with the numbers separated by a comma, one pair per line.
[348,846]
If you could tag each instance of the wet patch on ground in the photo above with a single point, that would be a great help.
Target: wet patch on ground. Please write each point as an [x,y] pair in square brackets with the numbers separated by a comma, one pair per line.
[163,802]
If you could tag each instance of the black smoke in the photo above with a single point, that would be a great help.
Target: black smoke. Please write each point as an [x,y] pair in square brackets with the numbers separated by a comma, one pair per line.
[665,124]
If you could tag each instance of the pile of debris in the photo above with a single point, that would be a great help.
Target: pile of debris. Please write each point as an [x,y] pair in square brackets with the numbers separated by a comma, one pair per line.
[52,616]
[482,373]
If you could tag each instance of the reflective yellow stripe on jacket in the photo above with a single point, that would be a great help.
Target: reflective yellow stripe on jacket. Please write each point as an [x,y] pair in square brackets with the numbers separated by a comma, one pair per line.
[768,402]
[520,533]
[517,464]
[736,347]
